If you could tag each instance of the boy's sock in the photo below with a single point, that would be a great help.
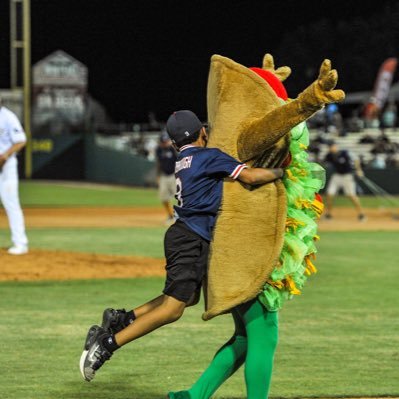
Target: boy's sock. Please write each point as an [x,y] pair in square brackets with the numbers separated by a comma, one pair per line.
[110,343]
[130,317]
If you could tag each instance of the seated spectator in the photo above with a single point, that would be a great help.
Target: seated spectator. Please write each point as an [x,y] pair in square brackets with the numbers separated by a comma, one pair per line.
[383,145]
[389,115]
[367,139]
[392,160]
[354,123]
[378,162]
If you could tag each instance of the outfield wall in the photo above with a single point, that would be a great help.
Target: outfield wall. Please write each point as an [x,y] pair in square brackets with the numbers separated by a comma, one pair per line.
[81,157]
[106,165]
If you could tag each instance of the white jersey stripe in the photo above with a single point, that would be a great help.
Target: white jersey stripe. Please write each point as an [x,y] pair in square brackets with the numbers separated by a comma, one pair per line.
[236,172]
[185,147]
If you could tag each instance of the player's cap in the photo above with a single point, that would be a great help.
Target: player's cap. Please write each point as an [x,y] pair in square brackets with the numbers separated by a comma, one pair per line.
[182,125]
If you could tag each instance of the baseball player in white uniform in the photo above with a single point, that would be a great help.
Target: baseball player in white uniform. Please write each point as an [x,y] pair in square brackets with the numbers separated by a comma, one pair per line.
[12,140]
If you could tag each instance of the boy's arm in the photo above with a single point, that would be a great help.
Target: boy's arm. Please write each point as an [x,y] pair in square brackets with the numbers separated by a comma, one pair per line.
[257,176]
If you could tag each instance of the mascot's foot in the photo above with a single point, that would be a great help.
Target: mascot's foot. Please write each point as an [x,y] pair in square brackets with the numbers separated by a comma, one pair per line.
[178,395]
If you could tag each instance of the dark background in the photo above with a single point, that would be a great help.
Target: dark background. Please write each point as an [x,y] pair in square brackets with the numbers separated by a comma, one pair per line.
[148,55]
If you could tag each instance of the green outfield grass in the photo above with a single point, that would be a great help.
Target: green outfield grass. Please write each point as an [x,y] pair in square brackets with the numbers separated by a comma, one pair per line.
[368,201]
[340,338]
[39,194]
[118,241]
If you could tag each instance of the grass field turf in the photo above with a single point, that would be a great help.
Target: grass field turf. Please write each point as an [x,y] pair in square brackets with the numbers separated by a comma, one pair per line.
[43,194]
[117,241]
[338,339]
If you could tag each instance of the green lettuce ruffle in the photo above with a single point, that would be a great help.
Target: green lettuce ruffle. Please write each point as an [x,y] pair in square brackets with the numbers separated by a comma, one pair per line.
[302,181]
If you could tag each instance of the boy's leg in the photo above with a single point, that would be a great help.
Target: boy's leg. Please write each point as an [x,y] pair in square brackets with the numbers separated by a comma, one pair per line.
[262,332]
[115,320]
[100,344]
[227,360]
[169,310]
[149,306]
[186,254]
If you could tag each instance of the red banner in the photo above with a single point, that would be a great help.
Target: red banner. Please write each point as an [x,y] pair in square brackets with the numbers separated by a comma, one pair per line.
[381,88]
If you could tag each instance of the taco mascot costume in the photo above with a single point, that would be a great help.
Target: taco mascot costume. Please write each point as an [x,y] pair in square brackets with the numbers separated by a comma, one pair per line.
[264,237]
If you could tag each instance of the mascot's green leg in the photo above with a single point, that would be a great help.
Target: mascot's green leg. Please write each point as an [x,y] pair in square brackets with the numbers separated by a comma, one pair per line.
[262,333]
[254,342]
[227,360]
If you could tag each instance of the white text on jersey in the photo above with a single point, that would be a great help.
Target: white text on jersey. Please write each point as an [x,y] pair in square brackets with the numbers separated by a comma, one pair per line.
[185,163]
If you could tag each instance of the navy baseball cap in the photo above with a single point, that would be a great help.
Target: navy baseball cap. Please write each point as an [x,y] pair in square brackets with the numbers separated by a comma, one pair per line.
[182,125]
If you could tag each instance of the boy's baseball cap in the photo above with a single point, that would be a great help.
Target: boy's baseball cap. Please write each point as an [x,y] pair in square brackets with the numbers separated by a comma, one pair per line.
[182,125]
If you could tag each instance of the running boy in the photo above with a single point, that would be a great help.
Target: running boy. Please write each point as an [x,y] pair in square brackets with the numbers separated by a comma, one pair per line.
[199,178]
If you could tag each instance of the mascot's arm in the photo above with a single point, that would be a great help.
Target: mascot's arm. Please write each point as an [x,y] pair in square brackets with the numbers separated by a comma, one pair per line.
[264,132]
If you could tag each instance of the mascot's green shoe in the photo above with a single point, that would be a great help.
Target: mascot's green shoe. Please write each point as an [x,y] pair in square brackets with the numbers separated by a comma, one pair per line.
[179,395]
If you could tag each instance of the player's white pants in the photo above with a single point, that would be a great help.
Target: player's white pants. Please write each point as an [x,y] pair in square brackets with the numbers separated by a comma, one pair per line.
[10,200]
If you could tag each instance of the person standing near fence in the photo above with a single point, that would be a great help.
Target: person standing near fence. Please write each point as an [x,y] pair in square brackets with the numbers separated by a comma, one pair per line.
[166,159]
[12,140]
[344,169]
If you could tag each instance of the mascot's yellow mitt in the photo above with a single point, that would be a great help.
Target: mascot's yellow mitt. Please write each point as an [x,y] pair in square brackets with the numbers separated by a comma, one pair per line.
[252,120]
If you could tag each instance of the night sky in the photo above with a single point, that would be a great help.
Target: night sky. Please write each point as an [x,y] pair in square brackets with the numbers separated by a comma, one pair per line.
[154,55]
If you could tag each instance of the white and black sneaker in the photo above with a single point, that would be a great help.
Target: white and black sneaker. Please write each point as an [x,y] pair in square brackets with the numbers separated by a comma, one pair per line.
[95,354]
[115,320]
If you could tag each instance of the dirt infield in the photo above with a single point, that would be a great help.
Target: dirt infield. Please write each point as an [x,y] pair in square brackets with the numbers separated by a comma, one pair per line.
[60,265]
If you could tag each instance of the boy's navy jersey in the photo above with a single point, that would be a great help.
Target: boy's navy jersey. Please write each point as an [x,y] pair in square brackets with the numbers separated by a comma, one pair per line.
[199,182]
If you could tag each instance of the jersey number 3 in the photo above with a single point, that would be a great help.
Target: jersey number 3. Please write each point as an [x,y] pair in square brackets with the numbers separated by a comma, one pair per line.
[179,189]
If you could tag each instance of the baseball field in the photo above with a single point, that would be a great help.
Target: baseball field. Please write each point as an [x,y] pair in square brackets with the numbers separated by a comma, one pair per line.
[95,246]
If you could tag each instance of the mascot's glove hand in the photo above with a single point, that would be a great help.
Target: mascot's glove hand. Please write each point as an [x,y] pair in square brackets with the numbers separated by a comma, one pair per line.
[322,91]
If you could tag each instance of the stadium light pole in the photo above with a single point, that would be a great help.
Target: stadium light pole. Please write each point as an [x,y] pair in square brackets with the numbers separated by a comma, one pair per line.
[18,8]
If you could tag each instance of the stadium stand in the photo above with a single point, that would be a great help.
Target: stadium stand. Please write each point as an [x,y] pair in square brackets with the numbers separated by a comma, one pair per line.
[352,142]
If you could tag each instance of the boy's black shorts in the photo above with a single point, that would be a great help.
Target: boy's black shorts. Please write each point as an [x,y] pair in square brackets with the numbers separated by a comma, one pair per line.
[187,257]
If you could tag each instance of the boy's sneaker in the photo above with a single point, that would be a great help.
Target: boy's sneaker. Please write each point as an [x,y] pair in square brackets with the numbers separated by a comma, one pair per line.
[90,337]
[362,217]
[95,354]
[115,320]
